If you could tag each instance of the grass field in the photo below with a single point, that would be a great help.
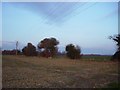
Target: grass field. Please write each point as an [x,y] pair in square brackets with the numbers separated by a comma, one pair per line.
[38,72]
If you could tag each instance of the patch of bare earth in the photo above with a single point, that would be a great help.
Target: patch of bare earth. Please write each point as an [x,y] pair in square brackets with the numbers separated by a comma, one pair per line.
[35,72]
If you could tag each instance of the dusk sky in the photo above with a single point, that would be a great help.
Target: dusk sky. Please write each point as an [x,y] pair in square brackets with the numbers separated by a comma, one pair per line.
[87,24]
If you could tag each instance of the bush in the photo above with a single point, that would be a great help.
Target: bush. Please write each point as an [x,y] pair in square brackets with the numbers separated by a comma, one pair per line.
[29,50]
[73,52]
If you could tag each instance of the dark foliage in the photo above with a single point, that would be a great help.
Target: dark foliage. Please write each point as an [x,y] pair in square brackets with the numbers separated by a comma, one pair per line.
[11,52]
[116,56]
[73,52]
[116,38]
[29,50]
[48,47]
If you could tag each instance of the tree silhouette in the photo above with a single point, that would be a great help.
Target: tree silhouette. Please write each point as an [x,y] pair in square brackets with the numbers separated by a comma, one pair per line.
[11,52]
[48,47]
[116,38]
[73,52]
[29,50]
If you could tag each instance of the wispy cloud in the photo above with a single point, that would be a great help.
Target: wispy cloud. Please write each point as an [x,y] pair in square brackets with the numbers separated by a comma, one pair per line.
[53,11]
[111,14]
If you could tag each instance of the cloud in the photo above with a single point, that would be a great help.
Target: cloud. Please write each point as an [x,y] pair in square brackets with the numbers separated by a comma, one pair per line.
[56,12]
[111,14]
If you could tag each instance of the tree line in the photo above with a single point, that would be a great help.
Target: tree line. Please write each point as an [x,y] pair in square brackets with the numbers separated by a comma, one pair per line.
[48,48]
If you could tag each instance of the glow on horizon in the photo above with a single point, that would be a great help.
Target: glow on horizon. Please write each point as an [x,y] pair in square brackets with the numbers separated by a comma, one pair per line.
[85,24]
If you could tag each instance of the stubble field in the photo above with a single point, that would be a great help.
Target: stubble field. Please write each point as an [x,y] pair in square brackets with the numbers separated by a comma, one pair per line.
[38,72]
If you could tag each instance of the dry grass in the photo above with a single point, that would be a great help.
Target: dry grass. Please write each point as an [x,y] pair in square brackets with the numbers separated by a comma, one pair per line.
[38,72]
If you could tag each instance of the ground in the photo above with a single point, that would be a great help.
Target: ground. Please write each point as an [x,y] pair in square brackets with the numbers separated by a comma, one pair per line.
[38,72]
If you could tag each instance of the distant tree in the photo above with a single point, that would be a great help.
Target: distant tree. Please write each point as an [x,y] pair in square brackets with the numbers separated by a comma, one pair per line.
[116,38]
[73,52]
[29,50]
[48,47]
[11,52]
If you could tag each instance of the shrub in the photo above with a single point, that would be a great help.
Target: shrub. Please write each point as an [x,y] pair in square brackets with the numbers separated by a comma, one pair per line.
[29,50]
[73,52]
